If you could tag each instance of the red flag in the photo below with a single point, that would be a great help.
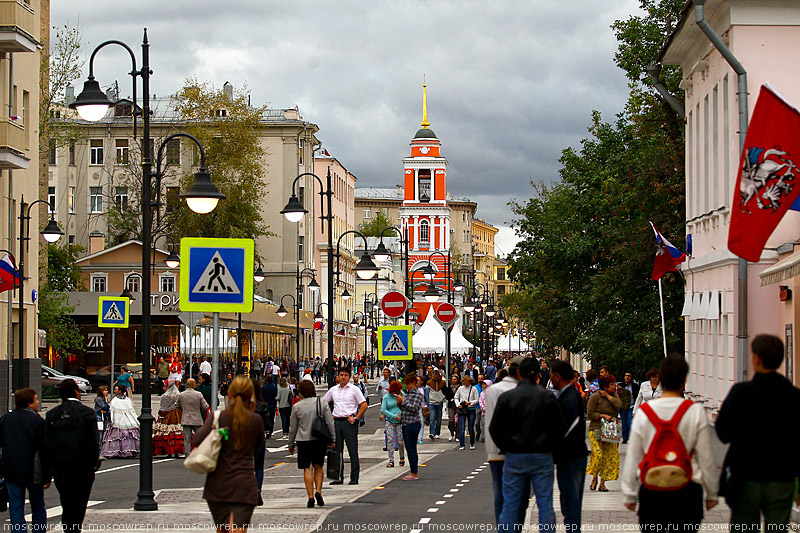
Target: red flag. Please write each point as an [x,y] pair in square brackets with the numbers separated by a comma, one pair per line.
[765,187]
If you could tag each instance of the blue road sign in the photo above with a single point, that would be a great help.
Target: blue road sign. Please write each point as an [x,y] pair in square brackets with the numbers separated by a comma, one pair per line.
[217,275]
[394,342]
[113,312]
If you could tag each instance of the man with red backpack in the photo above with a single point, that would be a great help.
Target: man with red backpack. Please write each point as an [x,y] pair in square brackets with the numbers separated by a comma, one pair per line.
[669,462]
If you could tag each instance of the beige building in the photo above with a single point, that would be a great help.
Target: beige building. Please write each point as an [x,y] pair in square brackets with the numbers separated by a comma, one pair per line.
[90,175]
[483,235]
[23,41]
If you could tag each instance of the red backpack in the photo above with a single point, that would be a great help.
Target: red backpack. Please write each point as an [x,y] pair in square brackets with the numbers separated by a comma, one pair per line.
[666,466]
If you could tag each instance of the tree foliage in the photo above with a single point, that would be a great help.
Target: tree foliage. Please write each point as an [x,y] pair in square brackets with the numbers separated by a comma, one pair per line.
[58,70]
[376,224]
[583,264]
[63,275]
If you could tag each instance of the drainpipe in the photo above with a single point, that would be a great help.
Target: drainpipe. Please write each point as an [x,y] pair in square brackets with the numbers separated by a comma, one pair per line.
[654,70]
[741,73]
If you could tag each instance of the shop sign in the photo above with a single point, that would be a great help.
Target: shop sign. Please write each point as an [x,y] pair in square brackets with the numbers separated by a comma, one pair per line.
[165,302]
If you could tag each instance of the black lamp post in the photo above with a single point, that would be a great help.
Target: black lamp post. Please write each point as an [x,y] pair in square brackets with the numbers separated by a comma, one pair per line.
[51,233]
[313,287]
[202,197]
[382,254]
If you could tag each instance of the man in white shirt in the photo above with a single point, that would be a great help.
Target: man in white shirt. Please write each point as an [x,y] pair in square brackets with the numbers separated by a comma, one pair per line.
[205,367]
[349,405]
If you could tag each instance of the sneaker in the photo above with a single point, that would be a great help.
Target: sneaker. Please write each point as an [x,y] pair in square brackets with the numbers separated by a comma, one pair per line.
[460,447]
[411,477]
[432,437]
[420,441]
[451,439]
[471,446]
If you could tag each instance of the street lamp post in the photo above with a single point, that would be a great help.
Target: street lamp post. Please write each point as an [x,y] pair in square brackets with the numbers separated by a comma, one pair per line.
[282,312]
[382,254]
[314,287]
[92,104]
[51,233]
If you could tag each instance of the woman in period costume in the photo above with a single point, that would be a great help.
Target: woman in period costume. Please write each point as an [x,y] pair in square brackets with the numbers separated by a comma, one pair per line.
[122,439]
[167,429]
[176,369]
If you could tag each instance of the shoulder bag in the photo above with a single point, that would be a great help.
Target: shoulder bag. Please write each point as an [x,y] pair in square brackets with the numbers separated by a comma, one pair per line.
[319,428]
[203,459]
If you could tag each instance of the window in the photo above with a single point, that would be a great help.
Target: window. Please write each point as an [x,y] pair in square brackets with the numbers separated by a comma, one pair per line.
[501,290]
[501,274]
[71,200]
[133,283]
[123,151]
[123,109]
[301,195]
[424,185]
[173,198]
[52,147]
[72,153]
[367,213]
[464,216]
[167,283]
[174,152]
[300,156]
[51,199]
[300,255]
[71,239]
[424,232]
[99,282]
[95,199]
[26,97]
[96,151]
[221,113]
[121,198]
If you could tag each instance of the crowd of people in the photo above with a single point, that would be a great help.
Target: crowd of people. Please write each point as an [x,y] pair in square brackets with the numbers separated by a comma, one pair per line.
[534,418]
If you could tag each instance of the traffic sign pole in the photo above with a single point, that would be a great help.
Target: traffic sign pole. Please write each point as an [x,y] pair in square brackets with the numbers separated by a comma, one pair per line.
[113,350]
[215,364]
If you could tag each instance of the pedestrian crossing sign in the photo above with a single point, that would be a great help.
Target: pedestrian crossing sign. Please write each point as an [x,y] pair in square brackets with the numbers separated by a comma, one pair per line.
[394,342]
[217,275]
[113,312]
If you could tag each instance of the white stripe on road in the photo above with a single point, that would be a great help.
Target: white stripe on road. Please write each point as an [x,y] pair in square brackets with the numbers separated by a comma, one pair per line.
[56,511]
[424,520]
[453,490]
[432,510]
[441,502]
[131,466]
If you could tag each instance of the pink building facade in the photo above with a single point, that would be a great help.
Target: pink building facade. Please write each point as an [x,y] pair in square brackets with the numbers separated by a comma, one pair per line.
[764,36]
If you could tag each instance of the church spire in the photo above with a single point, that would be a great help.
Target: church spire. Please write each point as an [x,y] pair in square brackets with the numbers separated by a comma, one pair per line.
[424,122]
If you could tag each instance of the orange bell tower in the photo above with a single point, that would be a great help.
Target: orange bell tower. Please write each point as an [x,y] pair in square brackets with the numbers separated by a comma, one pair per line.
[424,213]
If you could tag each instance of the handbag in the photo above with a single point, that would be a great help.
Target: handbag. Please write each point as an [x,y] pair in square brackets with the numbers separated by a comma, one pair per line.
[335,464]
[203,458]
[319,428]
[611,430]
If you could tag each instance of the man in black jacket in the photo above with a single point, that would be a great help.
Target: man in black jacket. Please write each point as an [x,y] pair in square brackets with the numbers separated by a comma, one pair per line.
[73,452]
[21,439]
[570,456]
[527,426]
[758,419]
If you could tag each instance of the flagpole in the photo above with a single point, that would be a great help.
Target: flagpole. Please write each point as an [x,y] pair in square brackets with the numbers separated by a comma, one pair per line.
[663,326]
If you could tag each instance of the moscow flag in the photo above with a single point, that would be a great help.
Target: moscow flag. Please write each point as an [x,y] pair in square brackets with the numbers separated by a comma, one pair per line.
[765,187]
[668,257]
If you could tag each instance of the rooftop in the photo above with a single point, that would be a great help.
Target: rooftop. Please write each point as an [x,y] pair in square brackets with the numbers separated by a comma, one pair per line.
[379,193]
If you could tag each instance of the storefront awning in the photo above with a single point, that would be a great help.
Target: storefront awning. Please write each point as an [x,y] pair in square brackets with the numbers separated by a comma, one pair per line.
[786,268]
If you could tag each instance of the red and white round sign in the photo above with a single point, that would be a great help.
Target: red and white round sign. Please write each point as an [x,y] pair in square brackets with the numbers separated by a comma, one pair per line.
[394,304]
[446,313]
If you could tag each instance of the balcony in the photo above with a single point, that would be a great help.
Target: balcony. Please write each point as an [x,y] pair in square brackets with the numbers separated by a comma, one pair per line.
[17,27]
[12,145]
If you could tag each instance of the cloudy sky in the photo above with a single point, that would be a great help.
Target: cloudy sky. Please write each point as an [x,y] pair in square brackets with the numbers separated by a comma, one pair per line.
[510,83]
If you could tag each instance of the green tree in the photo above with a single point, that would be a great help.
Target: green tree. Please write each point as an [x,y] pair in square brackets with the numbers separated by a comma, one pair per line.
[63,275]
[376,225]
[583,264]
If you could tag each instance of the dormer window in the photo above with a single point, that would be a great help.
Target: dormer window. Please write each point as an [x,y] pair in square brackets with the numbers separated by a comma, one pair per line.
[221,113]
[123,109]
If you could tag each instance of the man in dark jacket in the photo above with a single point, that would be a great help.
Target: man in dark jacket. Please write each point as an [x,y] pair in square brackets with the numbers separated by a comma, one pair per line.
[205,387]
[73,452]
[269,391]
[21,439]
[758,419]
[628,391]
[527,426]
[570,456]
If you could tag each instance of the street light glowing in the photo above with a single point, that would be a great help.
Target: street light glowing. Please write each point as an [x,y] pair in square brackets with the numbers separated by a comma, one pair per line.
[381,253]
[314,286]
[92,104]
[258,275]
[202,196]
[281,312]
[490,311]
[432,294]
[52,232]
[294,210]
[346,296]
[366,269]
[173,260]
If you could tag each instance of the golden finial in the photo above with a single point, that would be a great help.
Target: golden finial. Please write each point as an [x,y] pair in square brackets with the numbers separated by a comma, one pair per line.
[424,122]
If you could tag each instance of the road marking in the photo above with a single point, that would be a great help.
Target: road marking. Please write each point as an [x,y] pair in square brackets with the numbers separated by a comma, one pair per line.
[283,448]
[470,477]
[453,490]
[56,511]
[425,520]
[414,531]
[448,496]
[441,502]
[131,466]
[464,481]
[459,484]
[432,510]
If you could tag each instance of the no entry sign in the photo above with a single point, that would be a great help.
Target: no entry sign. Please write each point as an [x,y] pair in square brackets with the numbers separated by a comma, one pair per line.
[446,314]
[394,304]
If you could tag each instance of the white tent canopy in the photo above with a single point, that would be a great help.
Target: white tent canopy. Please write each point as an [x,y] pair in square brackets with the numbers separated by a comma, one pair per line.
[511,343]
[431,338]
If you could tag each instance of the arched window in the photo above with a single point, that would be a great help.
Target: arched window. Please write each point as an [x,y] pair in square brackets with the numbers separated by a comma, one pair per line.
[424,232]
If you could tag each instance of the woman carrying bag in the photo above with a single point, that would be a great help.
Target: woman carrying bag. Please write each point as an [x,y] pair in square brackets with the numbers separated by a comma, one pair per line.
[310,448]
[604,405]
[231,490]
[466,400]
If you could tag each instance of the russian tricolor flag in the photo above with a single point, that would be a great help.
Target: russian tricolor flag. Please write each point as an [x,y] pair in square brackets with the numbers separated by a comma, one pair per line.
[9,276]
[668,257]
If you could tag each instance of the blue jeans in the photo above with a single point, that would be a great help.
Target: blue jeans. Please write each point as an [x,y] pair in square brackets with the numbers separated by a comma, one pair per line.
[571,476]
[410,432]
[286,415]
[627,420]
[16,506]
[436,419]
[462,423]
[496,468]
[520,472]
